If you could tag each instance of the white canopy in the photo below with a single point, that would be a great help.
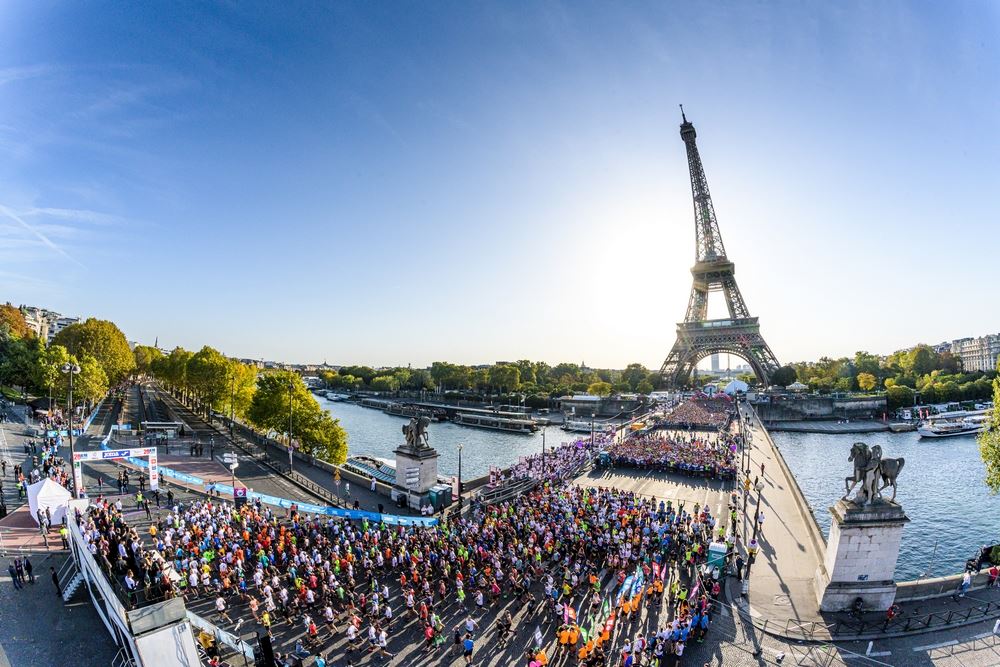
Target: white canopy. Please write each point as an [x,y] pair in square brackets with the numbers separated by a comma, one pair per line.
[797,386]
[736,386]
[51,495]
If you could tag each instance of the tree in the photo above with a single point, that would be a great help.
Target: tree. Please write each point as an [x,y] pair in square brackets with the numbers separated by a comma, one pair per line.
[634,374]
[644,387]
[784,376]
[867,363]
[318,434]
[47,375]
[505,377]
[91,383]
[866,381]
[207,375]
[989,443]
[601,389]
[102,340]
[145,357]
[385,383]
[12,322]
[899,396]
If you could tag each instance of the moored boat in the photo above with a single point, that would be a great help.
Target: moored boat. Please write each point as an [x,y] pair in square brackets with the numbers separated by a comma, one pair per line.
[495,423]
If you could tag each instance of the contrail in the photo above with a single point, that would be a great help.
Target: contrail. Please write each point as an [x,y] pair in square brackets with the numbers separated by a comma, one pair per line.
[41,237]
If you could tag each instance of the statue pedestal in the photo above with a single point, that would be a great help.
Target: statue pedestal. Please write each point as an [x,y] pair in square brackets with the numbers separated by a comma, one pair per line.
[416,473]
[861,556]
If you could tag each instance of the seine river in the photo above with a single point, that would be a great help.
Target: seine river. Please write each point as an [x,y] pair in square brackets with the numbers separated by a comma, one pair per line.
[374,433]
[941,489]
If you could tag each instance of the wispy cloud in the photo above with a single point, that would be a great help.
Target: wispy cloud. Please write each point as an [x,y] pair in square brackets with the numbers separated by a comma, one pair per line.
[367,110]
[11,74]
[80,215]
[33,230]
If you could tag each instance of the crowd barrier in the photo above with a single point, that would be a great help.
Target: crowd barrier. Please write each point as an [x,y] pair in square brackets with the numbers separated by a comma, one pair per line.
[357,515]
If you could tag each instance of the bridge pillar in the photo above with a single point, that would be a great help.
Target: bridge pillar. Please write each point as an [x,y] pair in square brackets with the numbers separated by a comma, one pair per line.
[861,556]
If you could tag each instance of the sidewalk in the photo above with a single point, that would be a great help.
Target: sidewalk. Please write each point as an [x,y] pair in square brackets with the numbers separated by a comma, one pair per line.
[791,545]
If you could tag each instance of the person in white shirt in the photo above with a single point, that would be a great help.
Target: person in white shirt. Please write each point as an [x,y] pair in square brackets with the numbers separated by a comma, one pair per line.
[220,607]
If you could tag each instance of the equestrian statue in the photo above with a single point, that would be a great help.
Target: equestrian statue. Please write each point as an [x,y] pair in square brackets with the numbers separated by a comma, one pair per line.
[416,433]
[873,472]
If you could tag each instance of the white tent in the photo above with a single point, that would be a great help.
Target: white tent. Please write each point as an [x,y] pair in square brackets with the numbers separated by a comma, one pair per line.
[736,386]
[48,494]
[797,386]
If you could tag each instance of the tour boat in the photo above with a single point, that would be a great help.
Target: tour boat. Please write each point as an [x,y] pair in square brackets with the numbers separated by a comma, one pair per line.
[495,423]
[409,411]
[951,424]
[584,426]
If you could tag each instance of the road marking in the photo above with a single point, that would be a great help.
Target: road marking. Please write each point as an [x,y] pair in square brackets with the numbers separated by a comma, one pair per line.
[931,647]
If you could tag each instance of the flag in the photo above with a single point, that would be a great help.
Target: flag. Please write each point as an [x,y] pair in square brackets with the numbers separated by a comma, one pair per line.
[538,636]
[569,614]
[584,635]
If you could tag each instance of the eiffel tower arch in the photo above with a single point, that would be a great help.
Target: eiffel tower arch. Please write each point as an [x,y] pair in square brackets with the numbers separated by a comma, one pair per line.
[698,336]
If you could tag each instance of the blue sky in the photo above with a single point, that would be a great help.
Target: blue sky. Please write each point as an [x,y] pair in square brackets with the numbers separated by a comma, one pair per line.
[402,182]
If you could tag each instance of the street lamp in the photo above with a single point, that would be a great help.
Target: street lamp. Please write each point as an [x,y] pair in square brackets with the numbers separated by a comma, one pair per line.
[71,370]
[756,517]
[460,447]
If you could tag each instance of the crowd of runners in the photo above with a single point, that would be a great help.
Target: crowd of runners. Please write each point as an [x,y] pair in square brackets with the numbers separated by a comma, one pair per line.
[575,567]
[689,453]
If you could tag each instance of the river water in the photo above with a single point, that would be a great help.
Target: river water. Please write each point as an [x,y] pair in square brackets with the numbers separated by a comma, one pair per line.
[374,433]
[941,489]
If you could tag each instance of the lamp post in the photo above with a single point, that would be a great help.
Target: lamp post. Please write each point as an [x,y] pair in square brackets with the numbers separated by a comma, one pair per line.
[460,447]
[756,517]
[71,370]
[752,546]
[291,386]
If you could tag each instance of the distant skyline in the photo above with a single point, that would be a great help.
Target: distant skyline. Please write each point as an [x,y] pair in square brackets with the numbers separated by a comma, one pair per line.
[400,183]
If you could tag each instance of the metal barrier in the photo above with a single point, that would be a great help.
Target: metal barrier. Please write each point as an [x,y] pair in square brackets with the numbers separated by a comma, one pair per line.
[861,628]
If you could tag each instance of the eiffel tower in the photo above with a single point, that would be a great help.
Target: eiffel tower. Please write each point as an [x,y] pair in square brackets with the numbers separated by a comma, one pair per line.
[698,336]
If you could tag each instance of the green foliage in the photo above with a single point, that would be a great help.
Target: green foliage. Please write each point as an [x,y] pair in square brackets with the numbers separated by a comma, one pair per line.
[899,396]
[505,377]
[385,383]
[145,357]
[784,376]
[989,443]
[601,389]
[644,387]
[102,340]
[208,376]
[282,394]
[866,381]
[91,384]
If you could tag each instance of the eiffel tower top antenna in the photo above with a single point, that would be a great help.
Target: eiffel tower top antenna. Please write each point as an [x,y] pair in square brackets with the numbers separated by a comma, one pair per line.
[683,117]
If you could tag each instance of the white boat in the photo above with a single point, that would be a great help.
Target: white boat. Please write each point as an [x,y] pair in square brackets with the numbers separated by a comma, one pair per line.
[584,426]
[953,424]
[495,423]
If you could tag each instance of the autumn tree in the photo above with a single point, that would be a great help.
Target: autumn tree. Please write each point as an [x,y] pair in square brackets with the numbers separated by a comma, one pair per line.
[102,340]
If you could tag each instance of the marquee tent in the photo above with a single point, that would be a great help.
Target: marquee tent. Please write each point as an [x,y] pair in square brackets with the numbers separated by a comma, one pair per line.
[736,386]
[51,495]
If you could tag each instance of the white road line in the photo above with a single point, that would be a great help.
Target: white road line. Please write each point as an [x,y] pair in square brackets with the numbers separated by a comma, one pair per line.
[931,647]
[880,654]
[4,450]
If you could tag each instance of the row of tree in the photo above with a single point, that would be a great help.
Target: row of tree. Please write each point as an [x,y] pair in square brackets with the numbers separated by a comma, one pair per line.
[274,401]
[533,379]
[936,376]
